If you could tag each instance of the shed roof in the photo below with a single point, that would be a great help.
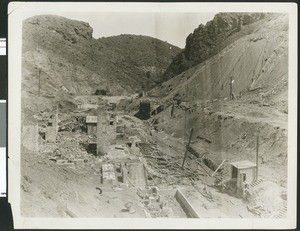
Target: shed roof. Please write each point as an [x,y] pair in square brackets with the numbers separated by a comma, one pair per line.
[243,164]
[91,119]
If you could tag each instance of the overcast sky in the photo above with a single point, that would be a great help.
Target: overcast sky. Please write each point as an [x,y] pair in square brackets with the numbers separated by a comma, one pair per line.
[171,27]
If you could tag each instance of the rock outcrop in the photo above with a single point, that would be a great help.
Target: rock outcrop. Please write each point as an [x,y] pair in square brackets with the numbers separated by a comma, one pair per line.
[62,55]
[206,40]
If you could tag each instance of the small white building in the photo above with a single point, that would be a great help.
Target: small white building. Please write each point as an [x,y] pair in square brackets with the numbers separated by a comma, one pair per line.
[243,171]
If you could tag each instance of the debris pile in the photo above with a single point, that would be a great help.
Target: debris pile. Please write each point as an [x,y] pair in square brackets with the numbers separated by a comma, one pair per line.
[266,200]
[156,204]
[166,169]
[67,150]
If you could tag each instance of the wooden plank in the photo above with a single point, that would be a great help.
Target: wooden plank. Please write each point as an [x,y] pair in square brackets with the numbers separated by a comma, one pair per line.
[186,151]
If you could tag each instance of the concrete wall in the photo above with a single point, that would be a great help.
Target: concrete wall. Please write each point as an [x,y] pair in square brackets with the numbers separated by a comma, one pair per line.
[106,133]
[30,135]
[108,174]
[185,205]
[144,111]
[91,129]
[137,174]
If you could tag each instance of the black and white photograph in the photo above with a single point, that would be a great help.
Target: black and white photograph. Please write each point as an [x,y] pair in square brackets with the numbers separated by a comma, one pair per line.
[152,110]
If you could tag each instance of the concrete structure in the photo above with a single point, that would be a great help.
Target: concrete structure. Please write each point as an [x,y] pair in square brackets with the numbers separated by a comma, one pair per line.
[52,127]
[108,174]
[106,131]
[134,143]
[197,206]
[91,125]
[30,135]
[120,131]
[137,174]
[92,147]
[113,173]
[242,172]
[185,205]
[144,111]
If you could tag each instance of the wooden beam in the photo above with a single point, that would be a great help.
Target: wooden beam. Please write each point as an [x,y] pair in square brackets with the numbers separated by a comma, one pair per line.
[218,168]
[257,146]
[186,150]
[39,82]
[199,164]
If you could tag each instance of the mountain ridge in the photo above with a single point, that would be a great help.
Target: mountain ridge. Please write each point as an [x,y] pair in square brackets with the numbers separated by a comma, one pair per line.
[57,44]
[206,40]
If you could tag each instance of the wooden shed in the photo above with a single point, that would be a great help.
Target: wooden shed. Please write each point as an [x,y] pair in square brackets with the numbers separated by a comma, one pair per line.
[243,172]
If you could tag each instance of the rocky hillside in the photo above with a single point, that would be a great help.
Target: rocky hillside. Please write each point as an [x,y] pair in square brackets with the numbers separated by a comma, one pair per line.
[65,58]
[208,40]
[257,66]
[256,62]
[148,56]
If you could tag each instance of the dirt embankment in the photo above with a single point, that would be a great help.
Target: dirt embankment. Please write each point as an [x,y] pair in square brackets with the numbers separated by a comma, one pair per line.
[257,66]
[255,62]
[228,130]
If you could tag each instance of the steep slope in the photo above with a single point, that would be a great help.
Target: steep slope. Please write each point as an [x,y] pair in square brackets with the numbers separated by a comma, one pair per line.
[148,56]
[227,128]
[210,39]
[258,60]
[61,56]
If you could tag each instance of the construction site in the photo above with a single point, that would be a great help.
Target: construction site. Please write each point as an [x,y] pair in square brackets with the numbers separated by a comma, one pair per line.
[210,142]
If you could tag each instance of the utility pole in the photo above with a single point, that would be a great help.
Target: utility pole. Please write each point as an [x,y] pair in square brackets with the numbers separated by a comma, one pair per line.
[230,85]
[257,145]
[186,151]
[39,82]
[172,109]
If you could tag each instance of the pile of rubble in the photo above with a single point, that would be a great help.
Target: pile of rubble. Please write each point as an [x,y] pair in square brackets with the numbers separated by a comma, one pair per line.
[67,151]
[167,169]
[155,204]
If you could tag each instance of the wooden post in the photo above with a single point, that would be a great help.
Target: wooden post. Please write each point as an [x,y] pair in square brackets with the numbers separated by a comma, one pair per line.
[257,145]
[230,92]
[39,82]
[172,109]
[218,168]
[186,151]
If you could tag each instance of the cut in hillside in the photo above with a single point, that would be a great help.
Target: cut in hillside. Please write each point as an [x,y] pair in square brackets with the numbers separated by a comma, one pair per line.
[226,126]
[210,39]
[149,56]
[255,62]
[60,57]
[208,142]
